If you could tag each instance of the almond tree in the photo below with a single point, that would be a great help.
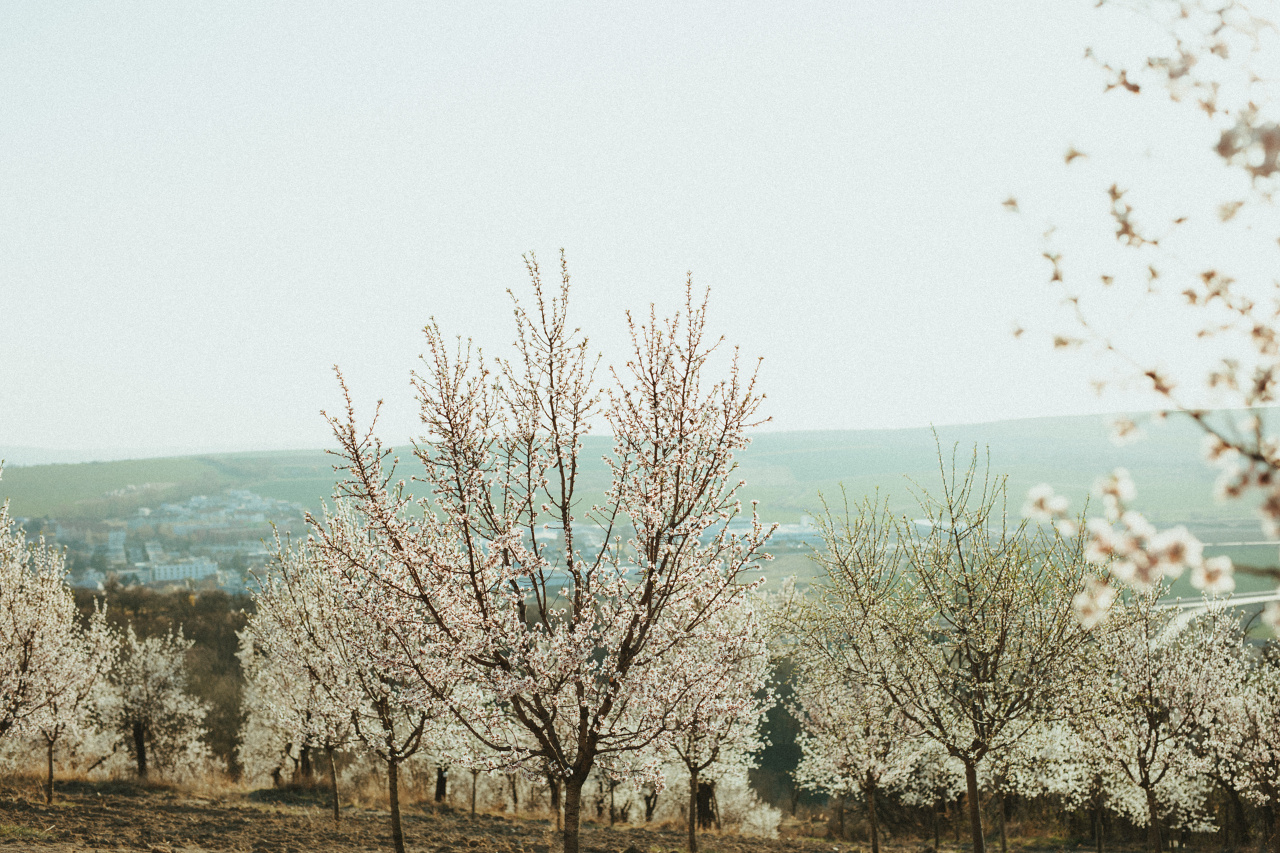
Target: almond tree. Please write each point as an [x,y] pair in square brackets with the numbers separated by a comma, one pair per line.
[1160,685]
[717,726]
[160,723]
[45,658]
[305,627]
[565,646]
[853,739]
[966,626]
[71,710]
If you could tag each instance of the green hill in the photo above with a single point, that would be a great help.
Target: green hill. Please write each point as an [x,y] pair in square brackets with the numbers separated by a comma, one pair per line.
[785,471]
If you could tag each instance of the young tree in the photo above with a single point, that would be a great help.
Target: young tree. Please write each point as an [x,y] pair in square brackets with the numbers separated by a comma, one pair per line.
[717,726]
[854,740]
[566,651]
[313,637]
[72,709]
[1162,677]
[44,657]
[966,626]
[148,705]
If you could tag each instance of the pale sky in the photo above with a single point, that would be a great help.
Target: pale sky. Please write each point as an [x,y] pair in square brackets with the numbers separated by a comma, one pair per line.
[206,206]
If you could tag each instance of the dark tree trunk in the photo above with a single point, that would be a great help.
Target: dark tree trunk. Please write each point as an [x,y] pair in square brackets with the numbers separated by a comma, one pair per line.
[393,791]
[333,780]
[442,782]
[140,748]
[1001,811]
[957,817]
[48,780]
[1153,823]
[305,770]
[613,811]
[1097,827]
[874,820]
[1238,817]
[475,776]
[840,816]
[515,795]
[975,809]
[553,784]
[693,811]
[937,840]
[572,811]
[650,804]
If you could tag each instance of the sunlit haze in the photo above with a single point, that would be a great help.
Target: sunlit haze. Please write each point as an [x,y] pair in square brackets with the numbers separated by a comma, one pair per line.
[206,207]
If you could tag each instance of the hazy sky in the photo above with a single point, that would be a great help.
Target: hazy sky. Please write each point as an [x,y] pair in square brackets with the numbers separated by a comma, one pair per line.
[206,206]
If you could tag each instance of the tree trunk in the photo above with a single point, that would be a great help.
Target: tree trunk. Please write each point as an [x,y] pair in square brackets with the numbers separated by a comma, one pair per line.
[305,770]
[1097,827]
[515,794]
[1004,836]
[956,817]
[693,811]
[333,780]
[1238,817]
[874,821]
[475,775]
[48,781]
[442,782]
[975,809]
[572,812]
[613,812]
[553,783]
[937,840]
[140,748]
[840,816]
[1153,821]
[393,790]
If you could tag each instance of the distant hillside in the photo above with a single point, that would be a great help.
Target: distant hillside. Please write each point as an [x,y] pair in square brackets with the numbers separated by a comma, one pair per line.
[784,471]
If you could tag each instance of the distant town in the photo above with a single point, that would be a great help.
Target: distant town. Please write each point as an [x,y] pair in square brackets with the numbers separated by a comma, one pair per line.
[203,543]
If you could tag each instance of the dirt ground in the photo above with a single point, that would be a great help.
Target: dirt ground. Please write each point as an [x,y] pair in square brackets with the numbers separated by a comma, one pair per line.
[126,816]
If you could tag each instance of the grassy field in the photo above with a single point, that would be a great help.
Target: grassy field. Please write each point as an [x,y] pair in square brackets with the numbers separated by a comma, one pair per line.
[789,473]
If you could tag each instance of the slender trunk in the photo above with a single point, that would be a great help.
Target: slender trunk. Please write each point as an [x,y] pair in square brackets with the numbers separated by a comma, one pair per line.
[1153,821]
[515,795]
[333,780]
[873,820]
[693,811]
[48,780]
[140,748]
[955,818]
[975,811]
[937,840]
[572,812]
[475,776]
[1004,836]
[442,782]
[305,770]
[612,809]
[1238,817]
[393,791]
[840,815]
[553,782]
[1097,827]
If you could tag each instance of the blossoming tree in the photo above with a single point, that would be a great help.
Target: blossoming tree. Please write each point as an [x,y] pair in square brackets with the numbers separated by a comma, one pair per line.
[565,646]
[1163,673]
[46,658]
[963,623]
[148,706]
[313,637]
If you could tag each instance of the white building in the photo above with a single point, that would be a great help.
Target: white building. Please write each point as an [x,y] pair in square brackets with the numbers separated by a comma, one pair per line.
[194,569]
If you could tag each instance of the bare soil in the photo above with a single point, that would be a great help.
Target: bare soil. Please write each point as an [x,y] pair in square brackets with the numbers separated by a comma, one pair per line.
[125,816]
